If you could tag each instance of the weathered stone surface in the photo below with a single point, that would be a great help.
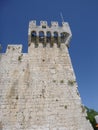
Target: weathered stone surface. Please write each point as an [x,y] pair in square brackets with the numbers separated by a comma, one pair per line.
[38,90]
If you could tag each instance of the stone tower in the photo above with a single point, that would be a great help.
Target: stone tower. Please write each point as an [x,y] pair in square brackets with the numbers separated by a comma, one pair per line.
[38,89]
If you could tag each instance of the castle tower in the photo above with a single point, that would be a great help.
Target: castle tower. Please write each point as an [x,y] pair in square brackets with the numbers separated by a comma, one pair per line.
[38,89]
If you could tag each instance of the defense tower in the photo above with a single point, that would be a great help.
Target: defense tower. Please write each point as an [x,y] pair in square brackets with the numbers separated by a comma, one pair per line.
[49,34]
[38,89]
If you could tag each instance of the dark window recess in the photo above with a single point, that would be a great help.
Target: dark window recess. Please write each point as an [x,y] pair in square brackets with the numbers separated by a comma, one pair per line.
[48,36]
[33,36]
[41,36]
[55,37]
[43,26]
[43,60]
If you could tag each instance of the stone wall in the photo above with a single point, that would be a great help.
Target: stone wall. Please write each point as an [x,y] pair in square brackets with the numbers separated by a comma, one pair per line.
[38,90]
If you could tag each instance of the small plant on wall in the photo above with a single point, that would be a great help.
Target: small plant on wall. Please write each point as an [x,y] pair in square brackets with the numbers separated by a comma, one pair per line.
[65,106]
[8,47]
[71,82]
[54,81]
[83,109]
[62,81]
[20,57]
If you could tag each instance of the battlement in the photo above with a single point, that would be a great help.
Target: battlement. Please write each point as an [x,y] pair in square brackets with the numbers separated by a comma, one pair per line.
[45,35]
[49,34]
[14,48]
[54,24]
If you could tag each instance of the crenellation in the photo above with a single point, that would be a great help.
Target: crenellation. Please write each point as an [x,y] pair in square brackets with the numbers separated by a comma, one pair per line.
[14,48]
[49,34]
[32,24]
[54,24]
[43,24]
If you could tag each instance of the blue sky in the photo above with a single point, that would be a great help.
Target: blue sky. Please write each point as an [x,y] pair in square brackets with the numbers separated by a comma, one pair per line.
[82,15]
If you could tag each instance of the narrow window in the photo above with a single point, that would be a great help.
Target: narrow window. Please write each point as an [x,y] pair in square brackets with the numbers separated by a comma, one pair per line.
[48,36]
[56,37]
[33,36]
[41,36]
[64,36]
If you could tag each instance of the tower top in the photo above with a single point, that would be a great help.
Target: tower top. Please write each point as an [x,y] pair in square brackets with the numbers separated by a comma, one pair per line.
[47,33]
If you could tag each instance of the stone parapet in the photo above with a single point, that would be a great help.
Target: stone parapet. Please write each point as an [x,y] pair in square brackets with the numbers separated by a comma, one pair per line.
[52,33]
